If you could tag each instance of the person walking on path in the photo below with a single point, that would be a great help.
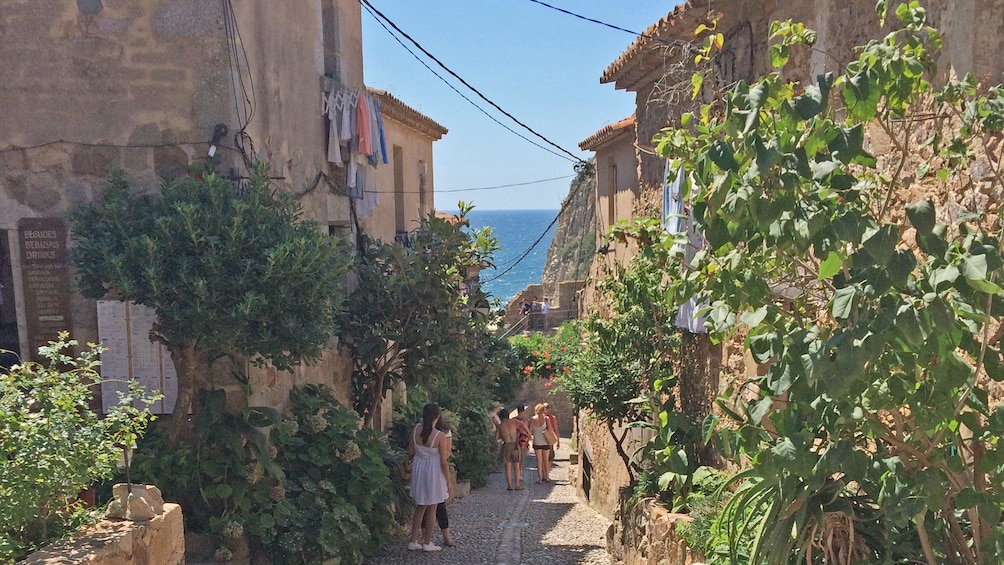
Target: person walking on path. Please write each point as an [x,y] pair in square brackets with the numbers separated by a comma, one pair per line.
[553,420]
[508,432]
[538,425]
[442,517]
[546,523]
[429,450]
[523,440]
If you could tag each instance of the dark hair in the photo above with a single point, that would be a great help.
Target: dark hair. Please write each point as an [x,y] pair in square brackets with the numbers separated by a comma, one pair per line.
[429,415]
[503,415]
[442,425]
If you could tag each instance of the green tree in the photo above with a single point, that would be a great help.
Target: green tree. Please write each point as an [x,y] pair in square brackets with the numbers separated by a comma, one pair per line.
[228,271]
[409,319]
[624,370]
[872,437]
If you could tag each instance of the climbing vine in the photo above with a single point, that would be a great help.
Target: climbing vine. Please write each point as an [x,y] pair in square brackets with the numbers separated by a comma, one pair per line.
[873,435]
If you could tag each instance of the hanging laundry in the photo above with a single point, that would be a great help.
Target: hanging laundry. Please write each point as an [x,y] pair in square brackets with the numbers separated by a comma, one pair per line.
[331,110]
[363,127]
[383,139]
[348,104]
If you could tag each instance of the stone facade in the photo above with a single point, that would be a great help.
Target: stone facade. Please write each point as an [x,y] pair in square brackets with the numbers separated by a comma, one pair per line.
[164,87]
[406,185]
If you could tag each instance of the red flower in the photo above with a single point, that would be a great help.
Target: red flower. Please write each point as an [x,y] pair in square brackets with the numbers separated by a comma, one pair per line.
[527,370]
[547,366]
[564,369]
[563,348]
[548,383]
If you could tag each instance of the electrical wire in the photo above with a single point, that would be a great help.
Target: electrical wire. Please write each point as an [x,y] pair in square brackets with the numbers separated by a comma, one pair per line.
[461,94]
[13,148]
[602,23]
[507,267]
[454,89]
[380,14]
[437,191]
[245,101]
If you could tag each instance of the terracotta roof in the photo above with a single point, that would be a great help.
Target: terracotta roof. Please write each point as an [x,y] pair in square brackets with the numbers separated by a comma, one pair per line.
[452,218]
[637,60]
[607,133]
[400,112]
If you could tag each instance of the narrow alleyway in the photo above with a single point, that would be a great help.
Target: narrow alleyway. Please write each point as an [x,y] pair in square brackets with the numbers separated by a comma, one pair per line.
[542,524]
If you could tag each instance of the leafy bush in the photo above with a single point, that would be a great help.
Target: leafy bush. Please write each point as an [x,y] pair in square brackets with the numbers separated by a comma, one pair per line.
[52,445]
[316,487]
[474,447]
[872,435]
[339,493]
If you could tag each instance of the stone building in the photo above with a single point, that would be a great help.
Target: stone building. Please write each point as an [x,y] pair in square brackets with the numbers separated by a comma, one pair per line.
[164,87]
[657,67]
[405,193]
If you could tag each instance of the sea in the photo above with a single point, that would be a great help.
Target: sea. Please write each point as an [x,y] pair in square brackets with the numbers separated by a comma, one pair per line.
[524,236]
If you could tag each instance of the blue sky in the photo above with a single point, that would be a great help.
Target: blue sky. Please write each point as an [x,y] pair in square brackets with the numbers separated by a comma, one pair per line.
[539,65]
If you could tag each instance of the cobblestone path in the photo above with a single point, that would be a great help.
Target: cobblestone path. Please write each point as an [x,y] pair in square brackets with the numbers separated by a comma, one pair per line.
[542,524]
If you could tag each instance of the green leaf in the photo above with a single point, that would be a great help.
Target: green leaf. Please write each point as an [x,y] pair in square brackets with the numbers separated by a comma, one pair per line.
[722,155]
[969,498]
[932,244]
[944,276]
[862,96]
[785,450]
[761,409]
[754,317]
[779,55]
[993,365]
[900,267]
[812,101]
[830,266]
[844,301]
[974,267]
[881,244]
[696,81]
[921,215]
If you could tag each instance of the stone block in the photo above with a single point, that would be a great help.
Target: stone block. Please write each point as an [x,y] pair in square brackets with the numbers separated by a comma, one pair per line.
[170,161]
[91,161]
[462,489]
[141,503]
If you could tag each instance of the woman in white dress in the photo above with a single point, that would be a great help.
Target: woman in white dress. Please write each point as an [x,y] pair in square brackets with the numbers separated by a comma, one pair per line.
[430,453]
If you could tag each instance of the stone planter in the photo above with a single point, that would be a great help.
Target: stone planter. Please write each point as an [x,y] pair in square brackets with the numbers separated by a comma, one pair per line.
[141,529]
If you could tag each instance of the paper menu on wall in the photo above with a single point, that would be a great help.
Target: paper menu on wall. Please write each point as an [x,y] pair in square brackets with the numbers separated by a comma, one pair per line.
[124,331]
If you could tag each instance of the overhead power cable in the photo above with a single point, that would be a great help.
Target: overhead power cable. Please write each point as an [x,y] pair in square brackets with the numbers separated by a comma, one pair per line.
[512,265]
[461,94]
[496,187]
[380,14]
[595,21]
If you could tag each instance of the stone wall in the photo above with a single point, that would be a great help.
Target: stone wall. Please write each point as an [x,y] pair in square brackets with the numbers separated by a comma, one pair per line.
[646,535]
[157,541]
[141,86]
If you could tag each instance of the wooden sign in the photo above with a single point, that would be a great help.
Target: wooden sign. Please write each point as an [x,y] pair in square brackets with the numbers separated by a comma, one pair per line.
[45,278]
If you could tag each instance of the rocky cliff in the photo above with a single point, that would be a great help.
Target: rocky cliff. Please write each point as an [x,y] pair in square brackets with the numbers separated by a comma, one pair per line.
[574,242]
